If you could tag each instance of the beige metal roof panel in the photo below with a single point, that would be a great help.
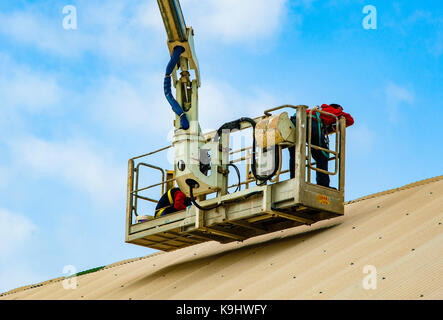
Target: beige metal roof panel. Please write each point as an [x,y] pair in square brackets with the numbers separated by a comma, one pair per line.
[400,232]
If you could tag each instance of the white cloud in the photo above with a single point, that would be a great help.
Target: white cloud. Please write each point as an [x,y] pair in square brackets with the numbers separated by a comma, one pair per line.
[141,105]
[398,94]
[220,102]
[44,33]
[135,106]
[17,236]
[397,97]
[4,177]
[419,19]
[148,15]
[436,44]
[25,89]
[109,29]
[17,274]
[29,91]
[77,163]
[233,20]
[15,231]
[360,140]
[130,32]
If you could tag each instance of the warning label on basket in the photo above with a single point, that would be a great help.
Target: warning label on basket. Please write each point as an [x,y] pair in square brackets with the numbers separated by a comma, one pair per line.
[323,199]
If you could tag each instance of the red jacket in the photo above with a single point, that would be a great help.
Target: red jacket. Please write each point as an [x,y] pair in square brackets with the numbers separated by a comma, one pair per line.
[327,120]
[179,201]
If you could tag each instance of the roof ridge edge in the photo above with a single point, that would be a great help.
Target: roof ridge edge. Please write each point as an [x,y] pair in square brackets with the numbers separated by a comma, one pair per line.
[405,187]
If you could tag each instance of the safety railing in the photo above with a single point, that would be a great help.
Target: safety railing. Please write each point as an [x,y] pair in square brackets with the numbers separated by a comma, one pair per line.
[134,189]
[137,175]
[311,146]
[338,153]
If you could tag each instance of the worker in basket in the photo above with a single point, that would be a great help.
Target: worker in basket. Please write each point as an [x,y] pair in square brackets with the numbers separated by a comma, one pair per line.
[321,125]
[172,201]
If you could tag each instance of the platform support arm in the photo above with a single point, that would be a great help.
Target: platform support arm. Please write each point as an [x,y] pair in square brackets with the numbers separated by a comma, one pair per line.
[342,155]
[300,144]
[130,198]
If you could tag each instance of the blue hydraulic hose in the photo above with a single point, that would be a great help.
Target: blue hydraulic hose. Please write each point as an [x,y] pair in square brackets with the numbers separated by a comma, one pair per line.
[168,84]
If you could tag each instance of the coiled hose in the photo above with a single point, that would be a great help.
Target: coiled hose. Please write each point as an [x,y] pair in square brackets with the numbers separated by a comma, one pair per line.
[167,85]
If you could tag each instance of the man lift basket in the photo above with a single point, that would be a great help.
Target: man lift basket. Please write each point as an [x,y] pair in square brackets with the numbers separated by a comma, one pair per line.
[264,201]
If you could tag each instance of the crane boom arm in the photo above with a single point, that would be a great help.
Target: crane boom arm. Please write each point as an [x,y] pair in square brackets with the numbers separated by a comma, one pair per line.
[191,151]
[178,33]
[173,20]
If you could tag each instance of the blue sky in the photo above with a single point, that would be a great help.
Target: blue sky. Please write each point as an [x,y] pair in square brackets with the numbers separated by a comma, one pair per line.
[75,105]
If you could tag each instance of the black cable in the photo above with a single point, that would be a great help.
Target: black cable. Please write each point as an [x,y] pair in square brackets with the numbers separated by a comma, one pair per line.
[238,175]
[191,187]
[236,125]
[262,179]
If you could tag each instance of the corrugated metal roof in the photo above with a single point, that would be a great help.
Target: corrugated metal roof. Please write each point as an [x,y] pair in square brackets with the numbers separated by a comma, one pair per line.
[399,232]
